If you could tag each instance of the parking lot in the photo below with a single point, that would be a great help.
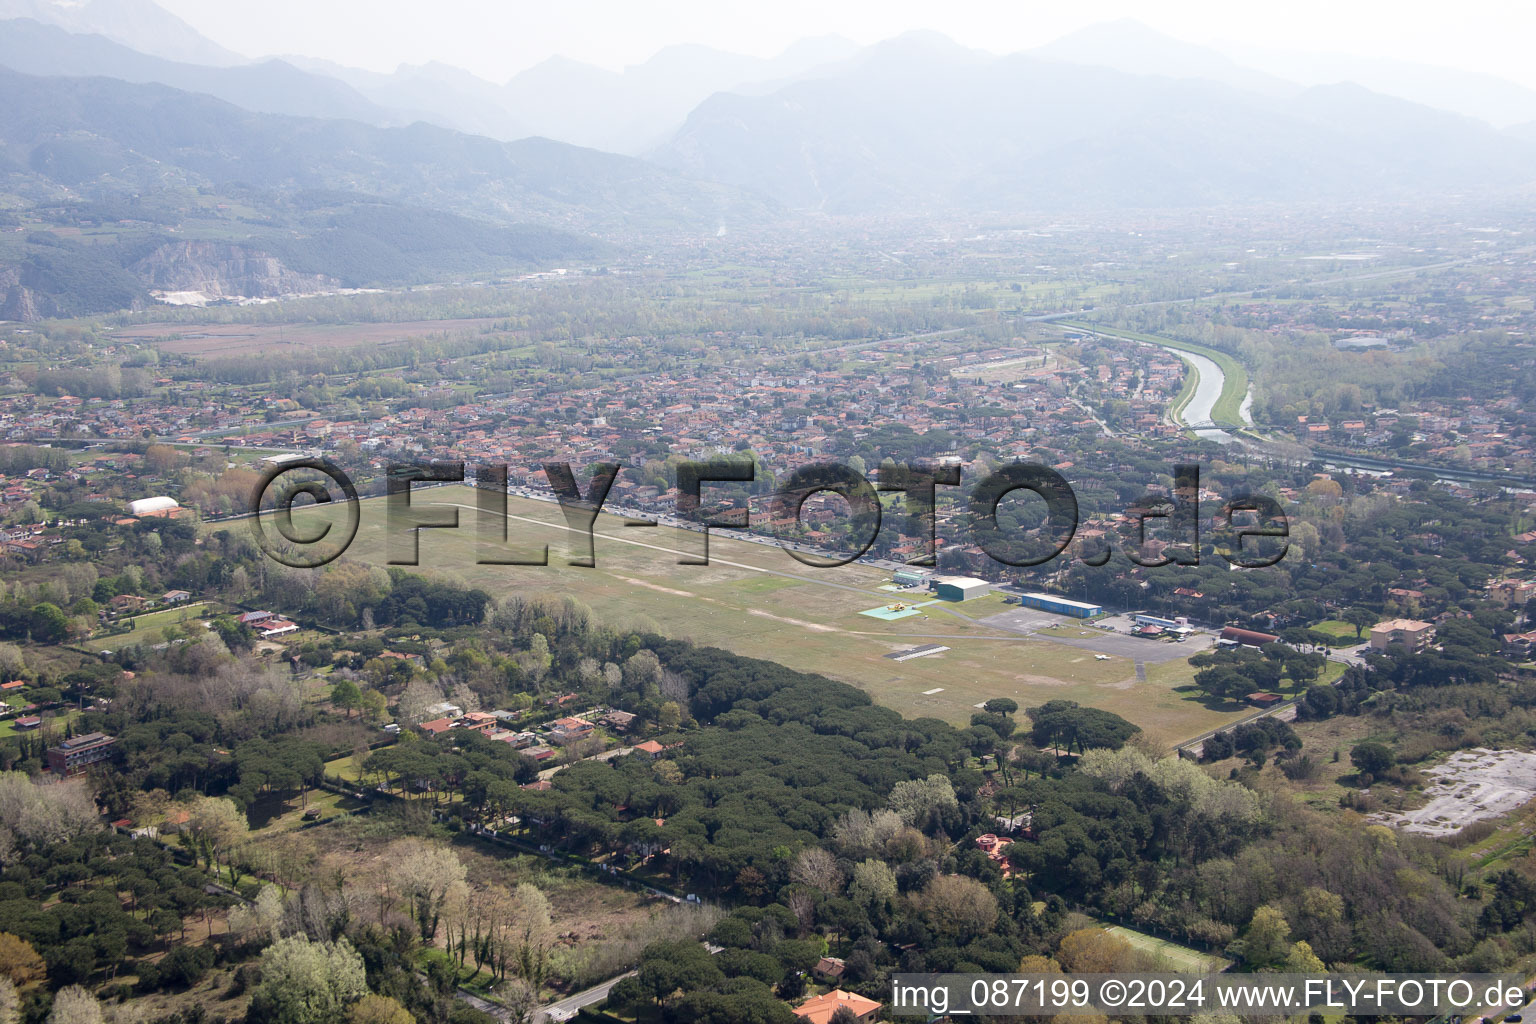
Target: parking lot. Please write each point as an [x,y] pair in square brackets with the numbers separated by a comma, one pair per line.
[1092,637]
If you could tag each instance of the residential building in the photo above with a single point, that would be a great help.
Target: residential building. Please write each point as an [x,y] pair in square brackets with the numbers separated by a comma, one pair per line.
[617,720]
[829,969]
[570,728]
[1410,633]
[75,756]
[819,1009]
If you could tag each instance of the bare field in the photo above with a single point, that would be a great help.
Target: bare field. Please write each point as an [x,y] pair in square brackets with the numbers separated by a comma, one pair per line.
[755,600]
[205,340]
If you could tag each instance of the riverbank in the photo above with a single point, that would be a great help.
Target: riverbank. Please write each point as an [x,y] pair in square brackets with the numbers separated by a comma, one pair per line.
[1228,409]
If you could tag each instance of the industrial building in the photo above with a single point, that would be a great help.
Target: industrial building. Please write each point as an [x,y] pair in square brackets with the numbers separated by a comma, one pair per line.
[1061,606]
[958,588]
[908,577]
[1248,637]
[287,458]
[1153,625]
[153,506]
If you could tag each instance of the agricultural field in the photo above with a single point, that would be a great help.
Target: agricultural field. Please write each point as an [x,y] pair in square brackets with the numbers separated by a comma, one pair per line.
[1503,843]
[222,340]
[755,600]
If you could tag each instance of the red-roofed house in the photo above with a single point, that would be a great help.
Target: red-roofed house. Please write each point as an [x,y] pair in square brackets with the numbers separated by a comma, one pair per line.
[571,728]
[829,968]
[819,1010]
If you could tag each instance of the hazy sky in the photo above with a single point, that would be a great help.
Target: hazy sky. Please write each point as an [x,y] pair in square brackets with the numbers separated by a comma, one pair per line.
[496,38]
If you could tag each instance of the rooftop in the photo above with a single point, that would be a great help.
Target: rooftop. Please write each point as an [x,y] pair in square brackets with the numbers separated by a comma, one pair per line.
[89,739]
[820,1009]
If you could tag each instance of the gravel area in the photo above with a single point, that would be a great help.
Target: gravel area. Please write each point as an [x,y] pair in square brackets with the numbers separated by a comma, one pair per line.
[1472,785]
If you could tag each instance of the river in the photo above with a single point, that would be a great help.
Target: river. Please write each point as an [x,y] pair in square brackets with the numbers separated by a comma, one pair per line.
[1209,380]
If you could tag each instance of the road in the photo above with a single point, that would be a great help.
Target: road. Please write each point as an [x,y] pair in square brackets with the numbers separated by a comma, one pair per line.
[607,755]
[568,1007]
[1487,1013]
[1285,712]
[1093,416]
[1452,474]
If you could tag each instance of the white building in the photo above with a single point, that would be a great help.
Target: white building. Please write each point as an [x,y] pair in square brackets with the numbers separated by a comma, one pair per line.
[149,506]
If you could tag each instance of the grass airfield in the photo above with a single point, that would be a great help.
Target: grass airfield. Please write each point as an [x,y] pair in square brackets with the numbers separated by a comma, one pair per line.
[757,600]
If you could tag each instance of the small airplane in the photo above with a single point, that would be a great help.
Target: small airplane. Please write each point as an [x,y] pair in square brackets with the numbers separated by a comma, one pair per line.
[1101,657]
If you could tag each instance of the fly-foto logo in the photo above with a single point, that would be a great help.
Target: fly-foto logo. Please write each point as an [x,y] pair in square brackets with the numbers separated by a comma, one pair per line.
[1177,514]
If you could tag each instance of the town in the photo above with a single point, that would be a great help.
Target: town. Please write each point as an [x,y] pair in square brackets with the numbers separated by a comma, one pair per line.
[724,537]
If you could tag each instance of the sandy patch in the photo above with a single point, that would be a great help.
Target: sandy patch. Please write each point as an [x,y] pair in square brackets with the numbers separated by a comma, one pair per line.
[815,626]
[1034,680]
[655,586]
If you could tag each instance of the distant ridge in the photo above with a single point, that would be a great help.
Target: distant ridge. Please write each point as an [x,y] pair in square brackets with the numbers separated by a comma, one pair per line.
[272,86]
[140,24]
[922,122]
[100,136]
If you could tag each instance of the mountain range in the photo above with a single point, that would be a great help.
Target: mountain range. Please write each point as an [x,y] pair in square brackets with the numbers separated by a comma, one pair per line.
[640,107]
[142,25]
[636,109]
[270,86]
[181,192]
[922,122]
[625,111]
[112,102]
[102,136]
